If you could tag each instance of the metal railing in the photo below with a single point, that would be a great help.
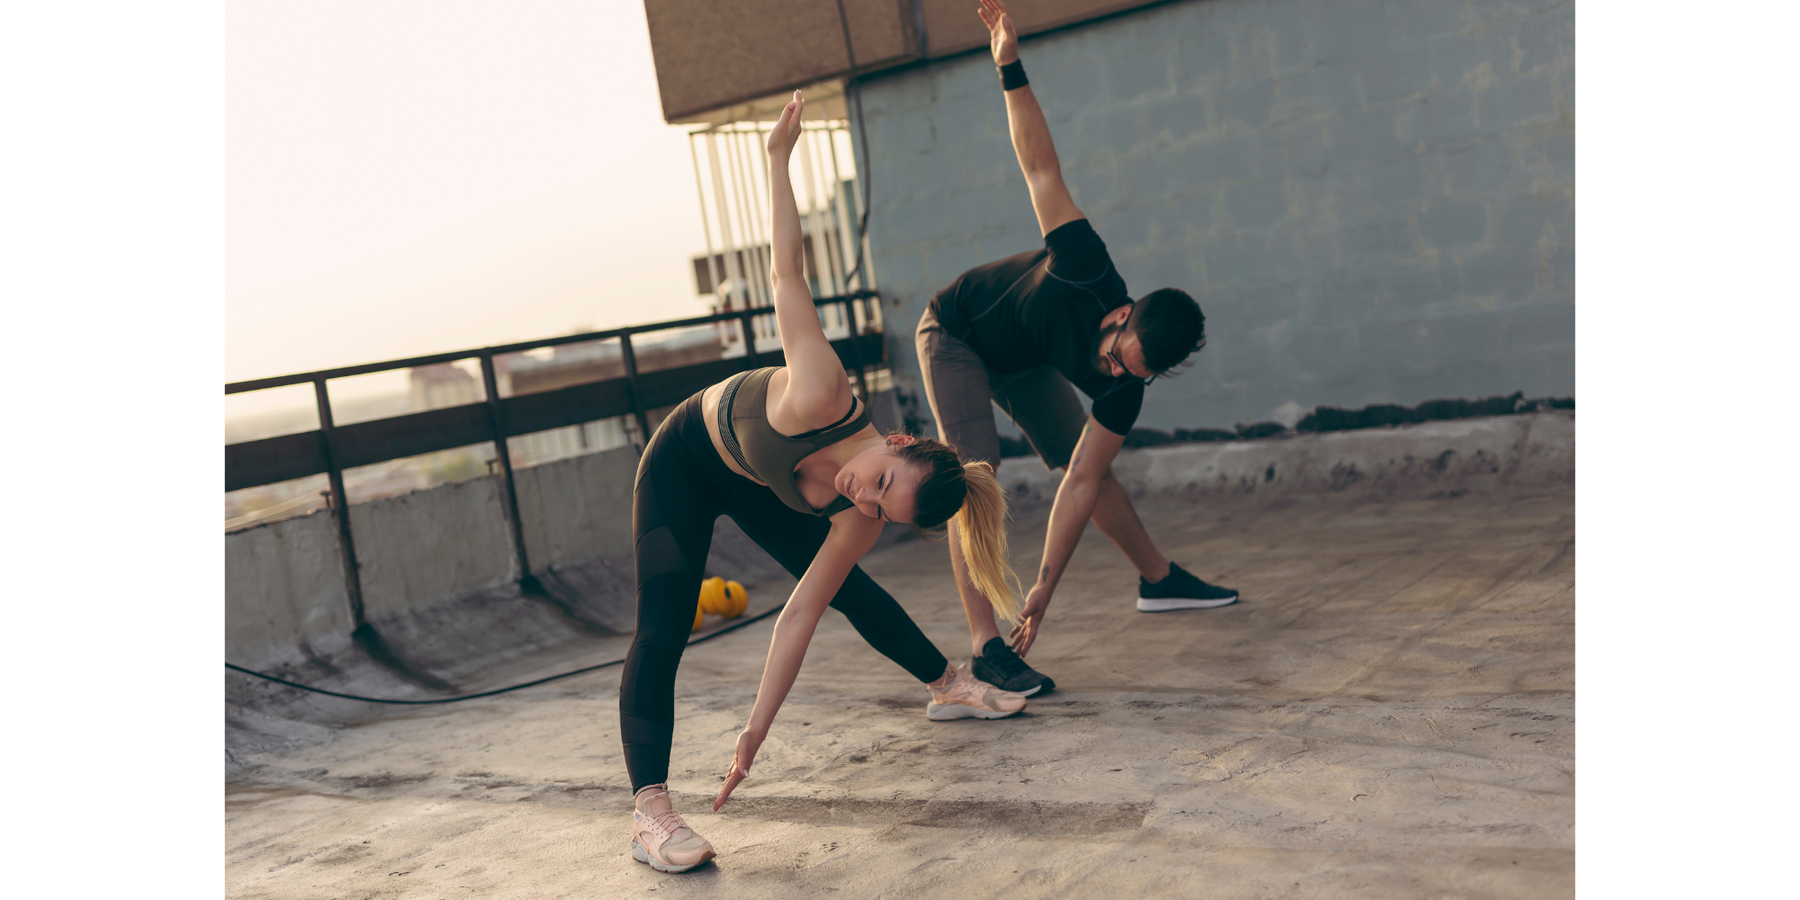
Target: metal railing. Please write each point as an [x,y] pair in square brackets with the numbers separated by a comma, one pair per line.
[332,448]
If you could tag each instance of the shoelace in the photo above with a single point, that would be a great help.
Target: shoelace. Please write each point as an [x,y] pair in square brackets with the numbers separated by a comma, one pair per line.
[1008,663]
[957,685]
[973,688]
[666,824]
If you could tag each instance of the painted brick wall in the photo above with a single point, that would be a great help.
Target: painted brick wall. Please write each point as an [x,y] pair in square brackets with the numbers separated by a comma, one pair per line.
[1373,200]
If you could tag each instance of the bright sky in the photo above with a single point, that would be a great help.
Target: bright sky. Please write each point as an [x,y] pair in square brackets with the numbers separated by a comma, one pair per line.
[406,177]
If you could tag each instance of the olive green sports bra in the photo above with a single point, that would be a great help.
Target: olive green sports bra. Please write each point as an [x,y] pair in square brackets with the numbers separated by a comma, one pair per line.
[759,448]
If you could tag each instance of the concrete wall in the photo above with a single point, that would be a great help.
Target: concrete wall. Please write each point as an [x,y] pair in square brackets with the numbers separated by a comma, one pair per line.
[438,574]
[578,508]
[709,55]
[1372,201]
[1430,458]
[421,552]
[284,591]
[439,582]
[430,546]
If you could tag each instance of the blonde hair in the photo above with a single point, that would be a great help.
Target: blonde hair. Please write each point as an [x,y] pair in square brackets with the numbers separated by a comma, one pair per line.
[971,493]
[981,525]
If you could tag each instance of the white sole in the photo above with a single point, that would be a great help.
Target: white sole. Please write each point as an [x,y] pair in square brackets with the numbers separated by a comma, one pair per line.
[642,855]
[1154,606]
[948,712]
[1034,689]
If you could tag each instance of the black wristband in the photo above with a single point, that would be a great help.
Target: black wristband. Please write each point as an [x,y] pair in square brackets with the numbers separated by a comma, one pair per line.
[1012,76]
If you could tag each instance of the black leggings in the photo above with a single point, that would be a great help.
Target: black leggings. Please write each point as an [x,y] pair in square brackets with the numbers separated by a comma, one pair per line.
[682,487]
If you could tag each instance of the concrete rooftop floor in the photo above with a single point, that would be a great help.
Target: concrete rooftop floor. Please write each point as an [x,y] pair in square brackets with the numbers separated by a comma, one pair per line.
[1388,713]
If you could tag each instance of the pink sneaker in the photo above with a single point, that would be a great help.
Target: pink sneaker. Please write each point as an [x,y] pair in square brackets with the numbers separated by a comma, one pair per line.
[967,697]
[660,838]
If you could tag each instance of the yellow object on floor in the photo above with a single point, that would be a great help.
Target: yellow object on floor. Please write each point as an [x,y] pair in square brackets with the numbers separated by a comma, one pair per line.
[718,597]
[712,596]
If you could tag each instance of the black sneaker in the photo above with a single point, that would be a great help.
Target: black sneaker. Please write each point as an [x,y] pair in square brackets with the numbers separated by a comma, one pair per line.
[1179,590]
[999,666]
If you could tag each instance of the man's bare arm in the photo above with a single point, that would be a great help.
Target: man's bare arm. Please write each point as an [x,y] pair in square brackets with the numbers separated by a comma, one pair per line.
[1030,132]
[1069,515]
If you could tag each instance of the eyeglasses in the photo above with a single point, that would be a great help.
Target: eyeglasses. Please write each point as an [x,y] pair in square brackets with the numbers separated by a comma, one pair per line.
[1113,354]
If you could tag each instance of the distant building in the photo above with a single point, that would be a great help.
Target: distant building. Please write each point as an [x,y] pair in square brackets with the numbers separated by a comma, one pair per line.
[442,385]
[578,363]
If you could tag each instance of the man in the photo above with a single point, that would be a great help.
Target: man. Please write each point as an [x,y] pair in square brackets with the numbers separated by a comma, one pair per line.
[1018,333]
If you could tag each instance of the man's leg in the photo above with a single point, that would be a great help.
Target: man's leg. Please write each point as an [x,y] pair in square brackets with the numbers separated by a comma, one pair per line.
[983,625]
[1045,407]
[1164,586]
[1115,517]
[994,662]
[956,387]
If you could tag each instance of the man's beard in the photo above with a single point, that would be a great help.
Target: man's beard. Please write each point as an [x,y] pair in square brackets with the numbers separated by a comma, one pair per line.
[1098,358]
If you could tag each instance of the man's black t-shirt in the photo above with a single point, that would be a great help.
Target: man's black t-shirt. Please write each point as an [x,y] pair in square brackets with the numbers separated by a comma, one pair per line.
[1044,308]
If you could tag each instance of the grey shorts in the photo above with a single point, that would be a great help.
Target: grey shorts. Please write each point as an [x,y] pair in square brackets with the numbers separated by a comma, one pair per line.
[959,388]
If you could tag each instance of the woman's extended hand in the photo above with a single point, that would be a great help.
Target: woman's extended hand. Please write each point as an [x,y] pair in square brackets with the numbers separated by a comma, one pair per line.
[1036,603]
[1003,39]
[786,132]
[747,745]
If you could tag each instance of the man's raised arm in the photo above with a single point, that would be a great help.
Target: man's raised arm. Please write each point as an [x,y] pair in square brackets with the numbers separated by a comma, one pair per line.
[1030,133]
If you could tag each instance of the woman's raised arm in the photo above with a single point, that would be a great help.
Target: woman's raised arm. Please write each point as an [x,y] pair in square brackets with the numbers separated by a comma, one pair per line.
[817,385]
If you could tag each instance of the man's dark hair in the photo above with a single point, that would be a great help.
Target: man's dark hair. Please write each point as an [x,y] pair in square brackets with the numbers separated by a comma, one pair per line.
[1170,328]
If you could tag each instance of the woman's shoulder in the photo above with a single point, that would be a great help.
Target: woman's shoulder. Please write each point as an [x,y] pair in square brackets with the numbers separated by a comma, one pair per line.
[793,409]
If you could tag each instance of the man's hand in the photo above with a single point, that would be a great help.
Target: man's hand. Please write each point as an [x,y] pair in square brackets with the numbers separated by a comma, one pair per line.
[747,745]
[786,132]
[1002,37]
[1036,603]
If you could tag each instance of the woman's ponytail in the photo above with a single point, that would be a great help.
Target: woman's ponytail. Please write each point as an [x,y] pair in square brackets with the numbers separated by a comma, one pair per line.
[971,493]
[981,525]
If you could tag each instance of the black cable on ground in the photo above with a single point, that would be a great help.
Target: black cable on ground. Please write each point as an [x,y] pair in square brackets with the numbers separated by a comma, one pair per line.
[699,640]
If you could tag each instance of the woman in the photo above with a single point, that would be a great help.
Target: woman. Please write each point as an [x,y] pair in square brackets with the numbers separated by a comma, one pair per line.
[790,455]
